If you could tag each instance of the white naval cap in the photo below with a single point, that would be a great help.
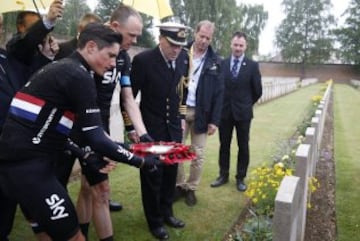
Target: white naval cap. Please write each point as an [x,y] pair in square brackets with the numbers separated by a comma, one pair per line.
[175,33]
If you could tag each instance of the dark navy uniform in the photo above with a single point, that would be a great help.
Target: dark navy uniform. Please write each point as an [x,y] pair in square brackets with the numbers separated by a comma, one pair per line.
[40,119]
[161,101]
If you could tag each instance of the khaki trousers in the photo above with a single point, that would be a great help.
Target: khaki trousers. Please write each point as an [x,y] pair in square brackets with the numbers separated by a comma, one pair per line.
[198,142]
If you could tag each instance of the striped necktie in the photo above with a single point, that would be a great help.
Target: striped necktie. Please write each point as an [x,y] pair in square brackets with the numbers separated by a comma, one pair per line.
[234,68]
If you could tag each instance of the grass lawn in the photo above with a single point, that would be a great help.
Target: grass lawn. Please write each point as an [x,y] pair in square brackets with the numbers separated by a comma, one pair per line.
[217,209]
[347,153]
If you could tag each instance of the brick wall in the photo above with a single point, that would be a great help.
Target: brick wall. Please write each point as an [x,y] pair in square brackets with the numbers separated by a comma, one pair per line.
[337,72]
[323,72]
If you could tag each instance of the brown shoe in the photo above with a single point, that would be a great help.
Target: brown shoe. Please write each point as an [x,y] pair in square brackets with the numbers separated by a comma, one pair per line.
[190,198]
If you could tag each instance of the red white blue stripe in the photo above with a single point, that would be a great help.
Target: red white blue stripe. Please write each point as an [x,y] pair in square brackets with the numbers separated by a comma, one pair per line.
[66,122]
[26,106]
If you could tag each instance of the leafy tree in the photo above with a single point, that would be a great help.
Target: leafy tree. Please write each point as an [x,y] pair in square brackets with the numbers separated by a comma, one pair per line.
[73,11]
[104,8]
[146,39]
[305,34]
[349,35]
[9,22]
[228,18]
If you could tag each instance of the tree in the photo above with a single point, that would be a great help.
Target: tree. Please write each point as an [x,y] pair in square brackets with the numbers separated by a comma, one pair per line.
[228,18]
[305,34]
[349,35]
[146,39]
[9,22]
[73,11]
[104,8]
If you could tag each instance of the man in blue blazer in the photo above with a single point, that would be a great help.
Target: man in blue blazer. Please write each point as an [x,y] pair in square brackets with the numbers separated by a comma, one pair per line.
[242,90]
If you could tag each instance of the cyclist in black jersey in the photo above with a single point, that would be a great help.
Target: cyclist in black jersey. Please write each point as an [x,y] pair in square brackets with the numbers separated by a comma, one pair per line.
[95,188]
[40,118]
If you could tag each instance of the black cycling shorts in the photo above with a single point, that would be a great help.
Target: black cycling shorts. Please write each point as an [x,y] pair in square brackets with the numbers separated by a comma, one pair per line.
[33,184]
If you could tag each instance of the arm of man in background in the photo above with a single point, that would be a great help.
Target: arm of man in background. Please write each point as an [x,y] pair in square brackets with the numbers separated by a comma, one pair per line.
[217,100]
[130,110]
[25,43]
[256,83]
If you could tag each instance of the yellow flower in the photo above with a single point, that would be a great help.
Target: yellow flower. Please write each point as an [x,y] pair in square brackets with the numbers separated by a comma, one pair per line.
[288,172]
[280,164]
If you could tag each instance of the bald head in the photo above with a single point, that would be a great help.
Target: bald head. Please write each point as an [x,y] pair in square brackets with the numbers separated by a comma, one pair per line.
[128,22]
[122,14]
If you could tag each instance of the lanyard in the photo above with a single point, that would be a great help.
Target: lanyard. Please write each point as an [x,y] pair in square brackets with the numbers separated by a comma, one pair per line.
[191,59]
[197,69]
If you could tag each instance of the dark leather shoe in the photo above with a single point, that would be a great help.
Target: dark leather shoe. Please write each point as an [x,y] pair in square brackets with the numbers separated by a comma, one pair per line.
[241,186]
[190,198]
[219,181]
[115,206]
[174,222]
[179,193]
[160,233]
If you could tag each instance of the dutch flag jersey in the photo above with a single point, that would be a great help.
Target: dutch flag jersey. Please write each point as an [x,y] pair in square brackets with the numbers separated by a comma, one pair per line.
[29,107]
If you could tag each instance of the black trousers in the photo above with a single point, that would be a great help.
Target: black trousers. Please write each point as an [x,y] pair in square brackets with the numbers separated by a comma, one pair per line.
[157,190]
[225,134]
[7,215]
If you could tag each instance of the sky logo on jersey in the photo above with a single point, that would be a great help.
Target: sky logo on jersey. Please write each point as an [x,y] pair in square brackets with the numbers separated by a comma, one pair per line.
[66,122]
[26,106]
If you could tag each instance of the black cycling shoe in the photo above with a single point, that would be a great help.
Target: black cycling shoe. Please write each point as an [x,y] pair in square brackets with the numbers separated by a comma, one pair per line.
[115,206]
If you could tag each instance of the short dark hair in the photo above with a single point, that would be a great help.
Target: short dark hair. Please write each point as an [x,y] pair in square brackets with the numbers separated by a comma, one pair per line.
[239,34]
[20,18]
[102,35]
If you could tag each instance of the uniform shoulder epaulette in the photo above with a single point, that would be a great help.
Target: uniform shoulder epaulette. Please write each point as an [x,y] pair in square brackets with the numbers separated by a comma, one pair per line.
[186,49]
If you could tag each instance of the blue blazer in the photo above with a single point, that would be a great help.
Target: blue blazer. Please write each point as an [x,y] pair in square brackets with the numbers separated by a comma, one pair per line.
[241,92]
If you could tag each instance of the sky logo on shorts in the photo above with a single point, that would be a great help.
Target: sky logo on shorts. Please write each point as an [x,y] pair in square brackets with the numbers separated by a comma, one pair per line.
[56,207]
[66,122]
[26,106]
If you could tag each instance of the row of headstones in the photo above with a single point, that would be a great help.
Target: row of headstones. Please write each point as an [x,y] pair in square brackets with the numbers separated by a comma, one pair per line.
[355,83]
[274,87]
[293,195]
[308,81]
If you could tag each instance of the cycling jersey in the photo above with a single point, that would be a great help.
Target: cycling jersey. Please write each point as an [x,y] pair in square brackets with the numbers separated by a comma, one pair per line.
[41,115]
[105,84]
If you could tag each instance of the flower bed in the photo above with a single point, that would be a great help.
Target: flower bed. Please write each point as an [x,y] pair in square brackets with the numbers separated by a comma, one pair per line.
[265,181]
